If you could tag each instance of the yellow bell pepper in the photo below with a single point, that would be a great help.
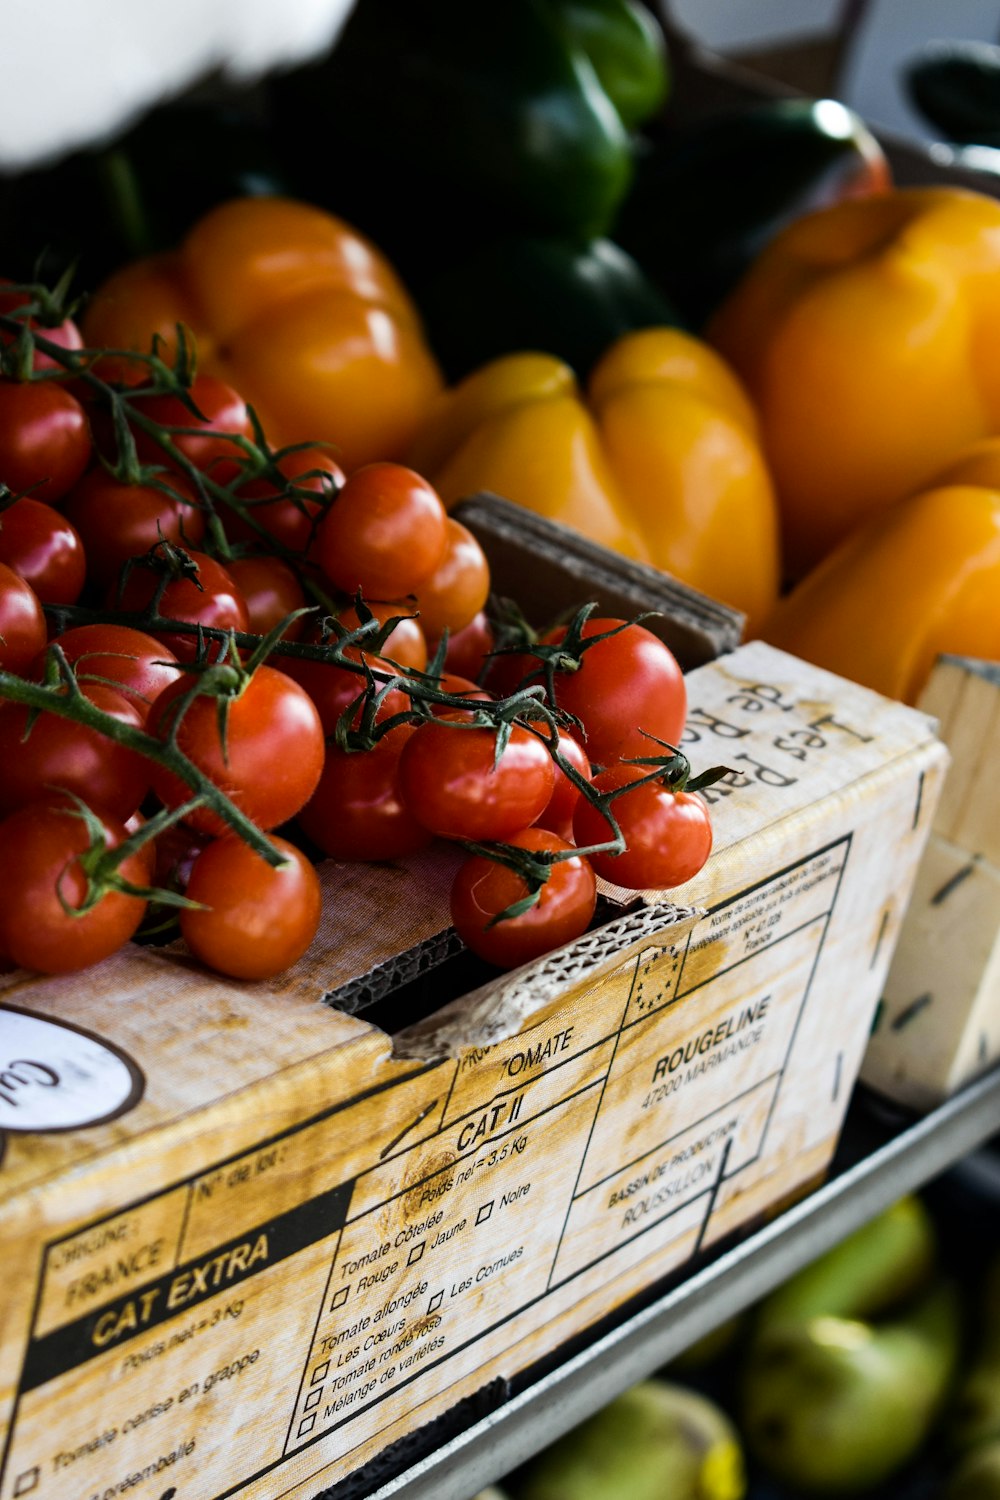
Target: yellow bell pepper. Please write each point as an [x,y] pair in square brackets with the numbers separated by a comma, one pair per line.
[659,459]
[919,579]
[868,336]
[292,306]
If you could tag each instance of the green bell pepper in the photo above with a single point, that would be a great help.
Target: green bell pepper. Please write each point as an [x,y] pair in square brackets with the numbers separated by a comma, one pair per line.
[710,195]
[446,119]
[565,297]
[626,48]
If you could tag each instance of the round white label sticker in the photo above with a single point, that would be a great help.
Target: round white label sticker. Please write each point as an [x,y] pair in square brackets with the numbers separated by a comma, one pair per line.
[53,1076]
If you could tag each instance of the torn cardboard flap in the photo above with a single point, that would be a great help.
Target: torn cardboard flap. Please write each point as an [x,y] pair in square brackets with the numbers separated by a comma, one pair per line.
[499,1009]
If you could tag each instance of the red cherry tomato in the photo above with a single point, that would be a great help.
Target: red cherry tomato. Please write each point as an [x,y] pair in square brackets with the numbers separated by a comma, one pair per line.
[291,519]
[385,533]
[61,753]
[557,816]
[44,438]
[208,597]
[482,889]
[118,521]
[626,684]
[454,785]
[272,756]
[271,592]
[333,688]
[257,918]
[205,441]
[467,649]
[22,621]
[668,835]
[134,663]
[406,644]
[357,811]
[459,586]
[43,842]
[45,548]
[66,334]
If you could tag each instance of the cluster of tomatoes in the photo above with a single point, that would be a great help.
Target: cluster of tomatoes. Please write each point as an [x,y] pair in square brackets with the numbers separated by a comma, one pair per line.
[220,662]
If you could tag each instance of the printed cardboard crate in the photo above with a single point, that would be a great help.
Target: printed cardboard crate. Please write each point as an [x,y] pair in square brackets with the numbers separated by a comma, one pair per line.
[250,1241]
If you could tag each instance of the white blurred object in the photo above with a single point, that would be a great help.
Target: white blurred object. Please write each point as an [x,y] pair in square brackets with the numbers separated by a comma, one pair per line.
[78,71]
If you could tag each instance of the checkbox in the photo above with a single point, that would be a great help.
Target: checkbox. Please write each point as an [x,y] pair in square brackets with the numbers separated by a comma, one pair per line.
[435,1302]
[339,1298]
[313,1398]
[319,1373]
[306,1425]
[26,1482]
[415,1254]
[484,1212]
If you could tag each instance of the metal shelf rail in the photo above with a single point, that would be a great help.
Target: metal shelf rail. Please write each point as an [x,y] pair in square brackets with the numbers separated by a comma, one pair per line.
[879,1160]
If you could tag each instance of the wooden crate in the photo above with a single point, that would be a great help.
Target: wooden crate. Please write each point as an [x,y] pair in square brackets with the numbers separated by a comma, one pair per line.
[251,1240]
[938,1025]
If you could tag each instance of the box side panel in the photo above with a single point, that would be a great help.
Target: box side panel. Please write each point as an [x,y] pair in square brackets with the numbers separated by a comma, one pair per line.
[273,1319]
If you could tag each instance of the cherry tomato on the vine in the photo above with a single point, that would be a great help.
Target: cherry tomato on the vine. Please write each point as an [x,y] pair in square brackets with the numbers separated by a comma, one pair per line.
[459,586]
[406,644]
[207,596]
[271,592]
[43,842]
[45,548]
[206,441]
[65,333]
[357,811]
[134,663]
[44,438]
[44,750]
[23,630]
[453,783]
[290,519]
[257,918]
[482,889]
[333,689]
[385,533]
[467,649]
[117,521]
[557,815]
[270,761]
[628,686]
[668,834]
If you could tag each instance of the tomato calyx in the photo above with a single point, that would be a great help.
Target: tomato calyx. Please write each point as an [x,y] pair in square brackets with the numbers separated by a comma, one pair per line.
[532,866]
[553,657]
[101,866]
[24,308]
[672,770]
[48,306]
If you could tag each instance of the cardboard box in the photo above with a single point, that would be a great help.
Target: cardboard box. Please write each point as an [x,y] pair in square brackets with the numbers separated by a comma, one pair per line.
[250,1241]
[938,1025]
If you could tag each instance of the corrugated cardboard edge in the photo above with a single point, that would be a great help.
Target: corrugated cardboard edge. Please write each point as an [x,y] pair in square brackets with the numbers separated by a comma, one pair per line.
[696,627]
[499,1009]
